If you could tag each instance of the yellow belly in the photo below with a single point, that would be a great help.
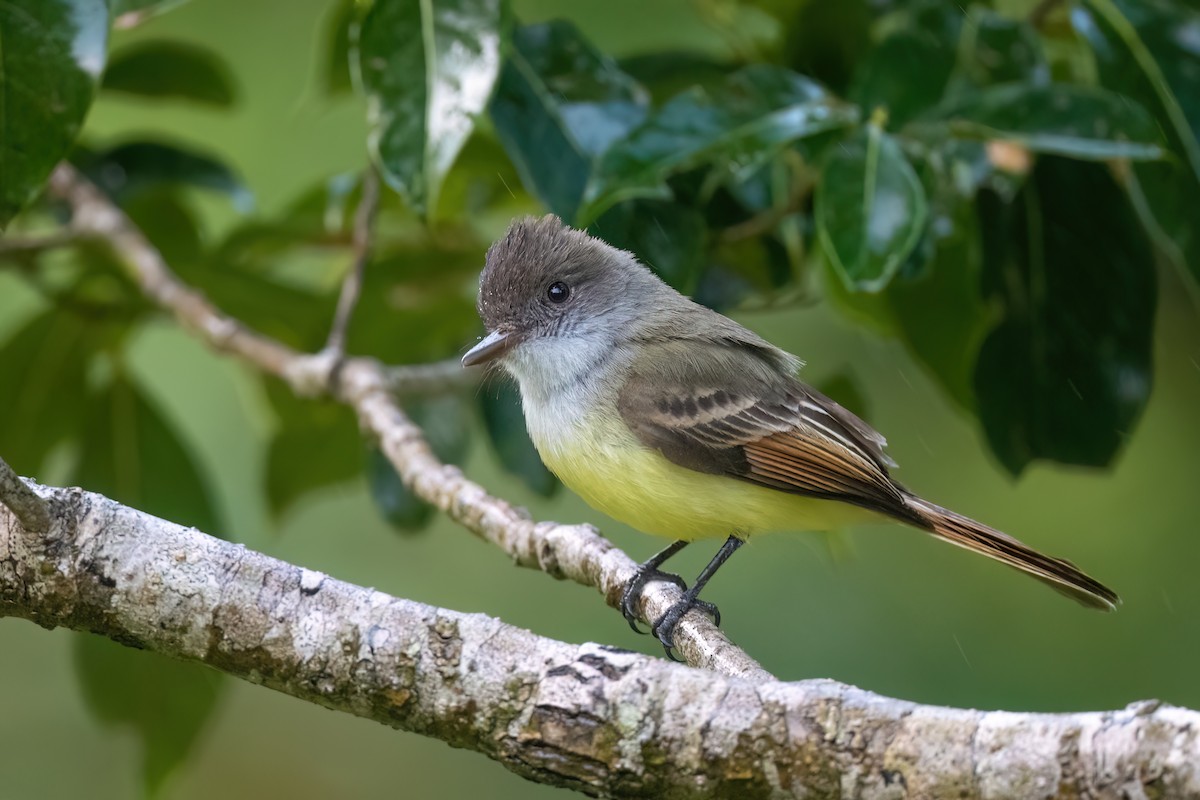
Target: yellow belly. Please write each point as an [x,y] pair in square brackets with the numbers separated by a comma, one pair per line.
[608,467]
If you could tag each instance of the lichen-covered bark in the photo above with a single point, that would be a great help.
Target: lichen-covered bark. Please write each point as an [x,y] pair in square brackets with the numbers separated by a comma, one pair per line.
[604,721]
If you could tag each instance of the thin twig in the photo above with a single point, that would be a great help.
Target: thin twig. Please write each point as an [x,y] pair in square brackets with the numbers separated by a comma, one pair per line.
[440,377]
[364,219]
[576,552]
[38,243]
[29,508]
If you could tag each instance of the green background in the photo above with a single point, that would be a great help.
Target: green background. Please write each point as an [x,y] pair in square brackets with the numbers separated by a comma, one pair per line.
[882,607]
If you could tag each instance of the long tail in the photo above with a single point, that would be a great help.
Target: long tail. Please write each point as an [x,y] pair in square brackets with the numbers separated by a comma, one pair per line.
[1063,576]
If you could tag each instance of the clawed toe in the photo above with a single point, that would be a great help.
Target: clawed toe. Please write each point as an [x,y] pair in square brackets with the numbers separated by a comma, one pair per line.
[633,592]
[664,628]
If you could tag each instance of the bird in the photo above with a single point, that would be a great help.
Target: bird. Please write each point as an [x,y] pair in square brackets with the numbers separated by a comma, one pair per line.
[678,421]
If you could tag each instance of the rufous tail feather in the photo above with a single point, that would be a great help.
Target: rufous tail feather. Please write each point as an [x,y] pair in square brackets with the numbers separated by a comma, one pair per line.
[1063,576]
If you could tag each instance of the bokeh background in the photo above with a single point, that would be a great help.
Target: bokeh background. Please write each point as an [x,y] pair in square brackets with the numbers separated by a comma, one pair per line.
[880,607]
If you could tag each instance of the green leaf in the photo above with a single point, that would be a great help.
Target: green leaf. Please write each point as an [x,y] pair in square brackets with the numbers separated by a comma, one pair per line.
[908,71]
[316,445]
[500,403]
[667,237]
[870,209]
[1148,51]
[47,359]
[826,40]
[428,70]
[758,111]
[134,167]
[446,425]
[1076,121]
[1067,372]
[52,53]
[559,104]
[166,702]
[176,70]
[133,454]
[996,49]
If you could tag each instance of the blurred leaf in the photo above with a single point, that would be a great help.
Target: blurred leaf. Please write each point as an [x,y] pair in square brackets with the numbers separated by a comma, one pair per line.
[505,424]
[667,237]
[418,301]
[996,49]
[908,71]
[1067,372]
[178,70]
[428,70]
[1148,51]
[317,444]
[132,454]
[43,369]
[53,55]
[165,701]
[127,169]
[336,74]
[666,74]
[870,209]
[826,40]
[559,104]
[941,316]
[1076,121]
[759,110]
[446,425]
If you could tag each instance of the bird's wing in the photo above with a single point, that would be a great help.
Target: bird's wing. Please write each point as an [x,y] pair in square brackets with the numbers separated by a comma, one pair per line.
[723,409]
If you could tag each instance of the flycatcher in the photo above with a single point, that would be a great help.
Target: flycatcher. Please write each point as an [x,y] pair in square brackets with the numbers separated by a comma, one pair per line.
[676,420]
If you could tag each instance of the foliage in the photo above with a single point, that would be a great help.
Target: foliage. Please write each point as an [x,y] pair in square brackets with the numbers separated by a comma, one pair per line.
[918,164]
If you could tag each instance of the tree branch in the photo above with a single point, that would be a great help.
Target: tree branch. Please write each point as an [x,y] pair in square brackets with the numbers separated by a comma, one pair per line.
[600,720]
[26,505]
[577,552]
[364,219]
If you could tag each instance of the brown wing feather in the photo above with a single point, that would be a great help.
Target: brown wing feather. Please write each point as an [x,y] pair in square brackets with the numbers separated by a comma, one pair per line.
[770,429]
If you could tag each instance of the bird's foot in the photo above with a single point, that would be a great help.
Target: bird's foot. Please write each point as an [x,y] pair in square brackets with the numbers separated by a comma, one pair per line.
[664,628]
[645,573]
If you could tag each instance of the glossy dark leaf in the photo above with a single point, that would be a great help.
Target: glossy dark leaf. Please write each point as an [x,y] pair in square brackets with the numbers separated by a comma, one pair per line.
[1067,372]
[47,359]
[316,445]
[826,40]
[132,453]
[758,111]
[166,702]
[998,49]
[171,70]
[1148,51]
[446,424]
[133,167]
[1076,121]
[505,423]
[870,209]
[53,54]
[428,70]
[666,74]
[558,105]
[667,237]
[908,71]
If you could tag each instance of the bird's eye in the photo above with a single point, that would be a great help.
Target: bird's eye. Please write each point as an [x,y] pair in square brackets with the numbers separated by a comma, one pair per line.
[558,292]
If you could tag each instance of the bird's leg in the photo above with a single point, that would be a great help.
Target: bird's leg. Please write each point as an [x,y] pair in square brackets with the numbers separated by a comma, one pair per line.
[664,628]
[645,573]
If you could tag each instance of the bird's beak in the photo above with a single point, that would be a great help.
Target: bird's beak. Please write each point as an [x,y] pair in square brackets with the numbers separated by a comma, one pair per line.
[490,347]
